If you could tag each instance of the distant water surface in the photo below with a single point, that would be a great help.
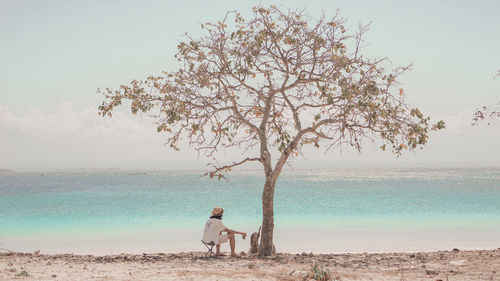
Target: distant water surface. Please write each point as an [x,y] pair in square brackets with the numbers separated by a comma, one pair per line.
[347,209]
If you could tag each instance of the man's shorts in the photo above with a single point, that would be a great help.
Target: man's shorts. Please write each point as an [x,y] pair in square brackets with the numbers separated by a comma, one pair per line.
[222,239]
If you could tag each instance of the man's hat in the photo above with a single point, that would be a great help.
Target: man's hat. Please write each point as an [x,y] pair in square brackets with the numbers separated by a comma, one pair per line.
[217,211]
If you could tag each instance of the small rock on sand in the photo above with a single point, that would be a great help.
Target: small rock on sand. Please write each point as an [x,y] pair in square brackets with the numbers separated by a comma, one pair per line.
[460,262]
[299,273]
[431,272]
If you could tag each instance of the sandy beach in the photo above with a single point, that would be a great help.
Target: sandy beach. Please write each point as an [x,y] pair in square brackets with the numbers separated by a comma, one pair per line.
[442,265]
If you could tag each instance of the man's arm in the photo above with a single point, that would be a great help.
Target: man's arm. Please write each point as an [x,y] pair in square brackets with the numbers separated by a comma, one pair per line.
[231,231]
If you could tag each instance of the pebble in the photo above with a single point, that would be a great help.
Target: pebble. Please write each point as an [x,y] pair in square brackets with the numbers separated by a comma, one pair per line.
[299,273]
[53,275]
[431,272]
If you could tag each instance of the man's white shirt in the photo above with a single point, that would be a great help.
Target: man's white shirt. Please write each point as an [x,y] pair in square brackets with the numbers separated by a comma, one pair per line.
[212,229]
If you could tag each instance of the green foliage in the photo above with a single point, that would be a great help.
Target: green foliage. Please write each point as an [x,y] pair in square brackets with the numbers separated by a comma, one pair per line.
[320,273]
[489,112]
[23,273]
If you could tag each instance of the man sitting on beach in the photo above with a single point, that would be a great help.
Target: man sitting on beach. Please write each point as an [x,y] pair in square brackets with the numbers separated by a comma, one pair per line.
[213,232]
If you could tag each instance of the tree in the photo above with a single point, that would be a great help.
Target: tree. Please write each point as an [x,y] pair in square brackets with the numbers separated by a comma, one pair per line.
[272,85]
[487,112]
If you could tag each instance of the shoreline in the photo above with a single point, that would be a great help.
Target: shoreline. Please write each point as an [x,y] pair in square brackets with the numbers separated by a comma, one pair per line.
[439,265]
[287,239]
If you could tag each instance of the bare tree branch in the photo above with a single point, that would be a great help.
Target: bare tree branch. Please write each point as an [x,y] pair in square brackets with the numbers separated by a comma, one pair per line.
[217,172]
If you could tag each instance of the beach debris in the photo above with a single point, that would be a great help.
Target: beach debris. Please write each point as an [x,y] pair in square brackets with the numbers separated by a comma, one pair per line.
[254,242]
[279,259]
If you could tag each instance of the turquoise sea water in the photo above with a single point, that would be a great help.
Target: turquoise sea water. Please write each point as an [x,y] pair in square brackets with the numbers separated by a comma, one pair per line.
[153,205]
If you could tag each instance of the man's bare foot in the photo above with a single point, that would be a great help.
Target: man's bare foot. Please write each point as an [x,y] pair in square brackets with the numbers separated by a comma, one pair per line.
[219,255]
[244,235]
[233,255]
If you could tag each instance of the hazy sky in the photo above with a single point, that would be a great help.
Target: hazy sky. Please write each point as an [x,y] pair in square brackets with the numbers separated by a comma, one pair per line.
[55,54]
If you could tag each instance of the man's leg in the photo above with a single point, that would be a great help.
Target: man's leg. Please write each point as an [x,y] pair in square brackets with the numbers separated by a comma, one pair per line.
[232,243]
[222,239]
[217,252]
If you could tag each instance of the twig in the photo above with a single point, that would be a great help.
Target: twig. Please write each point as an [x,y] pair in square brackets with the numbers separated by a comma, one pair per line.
[402,274]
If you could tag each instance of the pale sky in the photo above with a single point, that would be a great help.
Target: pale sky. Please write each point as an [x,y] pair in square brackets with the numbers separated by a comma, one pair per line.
[55,54]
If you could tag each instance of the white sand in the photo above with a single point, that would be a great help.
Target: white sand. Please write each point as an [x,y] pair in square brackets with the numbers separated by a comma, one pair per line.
[448,265]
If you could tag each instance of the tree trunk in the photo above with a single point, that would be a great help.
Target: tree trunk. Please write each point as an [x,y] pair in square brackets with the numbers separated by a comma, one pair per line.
[266,239]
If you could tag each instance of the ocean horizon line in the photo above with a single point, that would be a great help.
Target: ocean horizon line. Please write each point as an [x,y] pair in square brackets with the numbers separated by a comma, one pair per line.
[6,171]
